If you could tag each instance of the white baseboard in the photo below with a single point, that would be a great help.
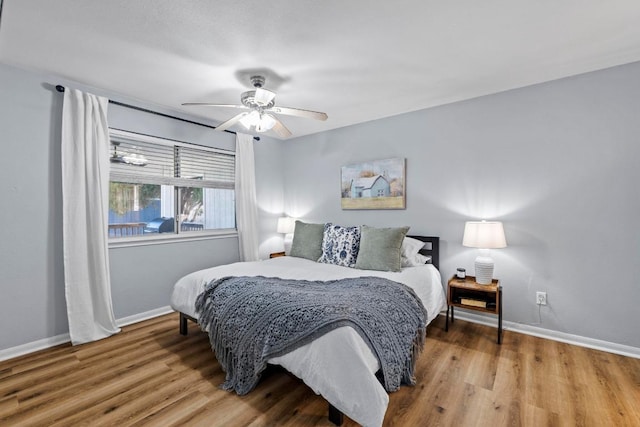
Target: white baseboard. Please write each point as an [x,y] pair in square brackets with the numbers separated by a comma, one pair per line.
[610,347]
[144,316]
[34,346]
[45,343]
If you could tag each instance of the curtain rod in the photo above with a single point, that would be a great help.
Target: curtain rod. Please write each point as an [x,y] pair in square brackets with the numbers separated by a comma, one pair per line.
[61,88]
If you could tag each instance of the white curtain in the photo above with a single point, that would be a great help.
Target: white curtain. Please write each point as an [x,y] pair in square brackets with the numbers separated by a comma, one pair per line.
[246,205]
[85,206]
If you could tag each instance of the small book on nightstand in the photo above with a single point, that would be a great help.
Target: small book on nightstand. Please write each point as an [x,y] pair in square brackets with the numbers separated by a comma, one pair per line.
[473,302]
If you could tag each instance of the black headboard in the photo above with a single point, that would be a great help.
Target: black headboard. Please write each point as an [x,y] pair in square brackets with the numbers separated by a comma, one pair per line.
[432,248]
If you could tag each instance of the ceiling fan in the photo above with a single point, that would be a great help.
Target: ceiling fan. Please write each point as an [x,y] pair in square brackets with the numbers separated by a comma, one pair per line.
[261,106]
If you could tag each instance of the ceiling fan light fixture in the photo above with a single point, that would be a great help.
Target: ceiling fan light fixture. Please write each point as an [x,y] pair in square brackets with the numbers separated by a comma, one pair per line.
[258,104]
[263,97]
[135,159]
[251,119]
[126,157]
[267,122]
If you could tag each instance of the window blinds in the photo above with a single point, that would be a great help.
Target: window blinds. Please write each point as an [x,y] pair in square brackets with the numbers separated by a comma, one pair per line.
[142,159]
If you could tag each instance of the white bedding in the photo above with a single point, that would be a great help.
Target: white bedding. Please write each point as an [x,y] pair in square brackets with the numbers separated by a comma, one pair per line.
[339,365]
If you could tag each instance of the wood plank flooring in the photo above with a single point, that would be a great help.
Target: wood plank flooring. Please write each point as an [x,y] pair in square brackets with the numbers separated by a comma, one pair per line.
[149,375]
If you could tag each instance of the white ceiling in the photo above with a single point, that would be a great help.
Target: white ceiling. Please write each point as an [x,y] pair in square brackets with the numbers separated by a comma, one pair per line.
[356,60]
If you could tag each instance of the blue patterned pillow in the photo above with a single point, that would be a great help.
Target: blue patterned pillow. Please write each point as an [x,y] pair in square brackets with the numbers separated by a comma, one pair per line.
[340,245]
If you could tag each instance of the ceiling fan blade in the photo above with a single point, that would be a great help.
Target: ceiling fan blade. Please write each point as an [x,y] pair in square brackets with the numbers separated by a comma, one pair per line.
[298,112]
[207,104]
[263,96]
[232,121]
[281,129]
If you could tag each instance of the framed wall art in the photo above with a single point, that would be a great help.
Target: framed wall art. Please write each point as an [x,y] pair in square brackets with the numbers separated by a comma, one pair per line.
[377,184]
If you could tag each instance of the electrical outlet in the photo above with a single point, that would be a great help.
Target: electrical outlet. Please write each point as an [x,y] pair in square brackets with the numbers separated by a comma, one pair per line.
[541,298]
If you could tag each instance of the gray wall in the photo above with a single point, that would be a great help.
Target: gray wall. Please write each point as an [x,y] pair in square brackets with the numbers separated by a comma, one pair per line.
[269,193]
[556,162]
[32,303]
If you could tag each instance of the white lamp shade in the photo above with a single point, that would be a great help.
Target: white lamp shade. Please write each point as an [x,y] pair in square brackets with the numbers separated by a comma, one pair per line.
[286,225]
[484,235]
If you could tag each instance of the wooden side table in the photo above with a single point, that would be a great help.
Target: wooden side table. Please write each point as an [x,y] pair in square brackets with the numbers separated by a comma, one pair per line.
[467,294]
[277,254]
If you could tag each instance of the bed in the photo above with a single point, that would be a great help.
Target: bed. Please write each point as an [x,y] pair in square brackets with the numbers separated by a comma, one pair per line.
[338,365]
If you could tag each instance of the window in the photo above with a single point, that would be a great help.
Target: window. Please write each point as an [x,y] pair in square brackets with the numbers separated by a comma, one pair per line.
[159,186]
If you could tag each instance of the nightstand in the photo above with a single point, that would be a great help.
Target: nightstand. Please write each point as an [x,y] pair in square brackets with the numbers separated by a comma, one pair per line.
[277,254]
[467,294]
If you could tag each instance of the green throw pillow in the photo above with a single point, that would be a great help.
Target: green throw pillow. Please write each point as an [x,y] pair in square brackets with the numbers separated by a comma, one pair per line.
[307,241]
[380,248]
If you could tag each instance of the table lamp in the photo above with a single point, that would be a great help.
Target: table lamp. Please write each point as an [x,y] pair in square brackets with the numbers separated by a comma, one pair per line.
[484,235]
[286,226]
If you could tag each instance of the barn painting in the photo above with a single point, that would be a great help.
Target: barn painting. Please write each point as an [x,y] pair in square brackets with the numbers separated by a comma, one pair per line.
[377,184]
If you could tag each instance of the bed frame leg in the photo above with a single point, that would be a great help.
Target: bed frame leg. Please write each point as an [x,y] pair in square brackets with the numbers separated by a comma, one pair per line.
[183,325]
[335,416]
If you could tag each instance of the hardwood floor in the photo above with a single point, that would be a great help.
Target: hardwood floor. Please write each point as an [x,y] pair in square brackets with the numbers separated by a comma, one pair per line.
[151,375]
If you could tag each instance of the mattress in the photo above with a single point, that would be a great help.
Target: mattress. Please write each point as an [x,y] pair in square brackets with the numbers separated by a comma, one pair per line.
[339,365]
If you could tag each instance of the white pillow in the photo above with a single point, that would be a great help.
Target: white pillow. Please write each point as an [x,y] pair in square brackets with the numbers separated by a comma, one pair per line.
[416,261]
[410,247]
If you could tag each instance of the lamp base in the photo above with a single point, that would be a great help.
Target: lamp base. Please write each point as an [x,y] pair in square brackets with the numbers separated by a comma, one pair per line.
[484,270]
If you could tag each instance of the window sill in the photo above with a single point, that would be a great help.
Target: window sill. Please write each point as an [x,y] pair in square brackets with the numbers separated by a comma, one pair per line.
[126,242]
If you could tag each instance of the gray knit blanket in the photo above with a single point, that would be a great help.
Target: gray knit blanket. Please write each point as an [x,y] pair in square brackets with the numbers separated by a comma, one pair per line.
[252,319]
